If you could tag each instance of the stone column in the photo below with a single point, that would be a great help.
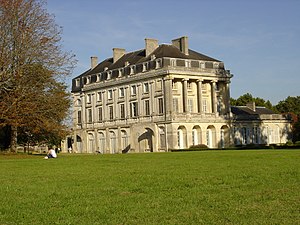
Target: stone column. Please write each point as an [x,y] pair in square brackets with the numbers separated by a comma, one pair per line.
[213,97]
[115,100]
[105,113]
[227,99]
[139,93]
[168,99]
[185,95]
[199,95]
[151,93]
[127,106]
[83,110]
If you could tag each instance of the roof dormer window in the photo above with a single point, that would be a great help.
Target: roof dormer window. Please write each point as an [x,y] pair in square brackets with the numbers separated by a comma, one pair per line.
[145,66]
[173,62]
[132,70]
[77,82]
[158,64]
[109,73]
[187,63]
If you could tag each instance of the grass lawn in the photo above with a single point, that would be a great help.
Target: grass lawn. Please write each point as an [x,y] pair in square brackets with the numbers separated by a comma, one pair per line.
[209,187]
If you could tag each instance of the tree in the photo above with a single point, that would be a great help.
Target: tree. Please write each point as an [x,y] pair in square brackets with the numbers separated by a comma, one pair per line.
[291,106]
[33,97]
[247,98]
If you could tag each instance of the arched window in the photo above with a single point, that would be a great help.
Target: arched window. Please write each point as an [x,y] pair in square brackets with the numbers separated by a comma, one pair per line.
[102,146]
[196,135]
[181,137]
[124,139]
[224,136]
[211,136]
[113,142]
[91,143]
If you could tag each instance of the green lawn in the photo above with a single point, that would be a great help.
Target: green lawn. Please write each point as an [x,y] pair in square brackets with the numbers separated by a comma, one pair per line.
[209,187]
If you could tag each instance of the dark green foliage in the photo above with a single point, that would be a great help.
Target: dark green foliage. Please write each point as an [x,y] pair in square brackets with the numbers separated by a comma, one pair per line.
[247,98]
[199,146]
[297,143]
[290,104]
[4,137]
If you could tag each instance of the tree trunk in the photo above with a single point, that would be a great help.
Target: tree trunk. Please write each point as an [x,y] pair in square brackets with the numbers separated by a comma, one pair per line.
[13,139]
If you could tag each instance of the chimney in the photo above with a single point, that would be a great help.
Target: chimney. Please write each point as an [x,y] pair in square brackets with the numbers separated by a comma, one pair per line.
[182,44]
[118,53]
[94,62]
[150,45]
[251,105]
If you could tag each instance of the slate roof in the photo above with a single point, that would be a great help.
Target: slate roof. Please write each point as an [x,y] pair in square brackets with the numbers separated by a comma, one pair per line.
[139,56]
[245,111]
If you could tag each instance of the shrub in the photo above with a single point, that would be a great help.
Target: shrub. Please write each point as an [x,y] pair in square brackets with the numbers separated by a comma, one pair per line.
[289,143]
[297,143]
[200,146]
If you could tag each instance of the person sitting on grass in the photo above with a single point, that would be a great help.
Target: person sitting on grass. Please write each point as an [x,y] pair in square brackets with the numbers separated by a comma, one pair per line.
[51,154]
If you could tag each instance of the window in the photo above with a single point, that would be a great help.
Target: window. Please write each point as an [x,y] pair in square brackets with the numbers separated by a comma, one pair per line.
[121,92]
[133,109]
[219,105]
[189,85]
[77,81]
[124,139]
[146,87]
[109,94]
[100,115]
[175,85]
[102,142]
[175,105]
[147,107]
[256,134]
[194,137]
[89,98]
[122,111]
[158,64]
[145,66]
[113,142]
[244,135]
[204,106]
[132,69]
[79,117]
[111,112]
[109,73]
[99,96]
[89,112]
[133,90]
[190,105]
[160,106]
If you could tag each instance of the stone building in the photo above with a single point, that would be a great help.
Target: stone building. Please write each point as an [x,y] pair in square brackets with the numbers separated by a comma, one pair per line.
[159,98]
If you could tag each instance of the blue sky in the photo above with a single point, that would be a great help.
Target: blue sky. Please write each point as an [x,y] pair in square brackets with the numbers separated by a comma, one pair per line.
[258,40]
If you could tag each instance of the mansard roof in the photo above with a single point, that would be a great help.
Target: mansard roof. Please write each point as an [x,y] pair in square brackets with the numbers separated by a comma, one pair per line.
[138,57]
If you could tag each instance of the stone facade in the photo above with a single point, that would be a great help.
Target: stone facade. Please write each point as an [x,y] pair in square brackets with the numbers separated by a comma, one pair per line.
[160,98]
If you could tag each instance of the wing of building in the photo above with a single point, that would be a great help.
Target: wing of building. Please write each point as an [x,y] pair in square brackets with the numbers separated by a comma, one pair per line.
[160,98]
